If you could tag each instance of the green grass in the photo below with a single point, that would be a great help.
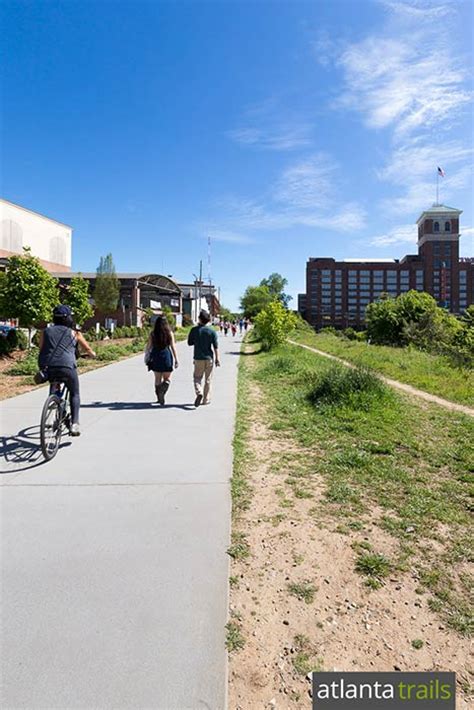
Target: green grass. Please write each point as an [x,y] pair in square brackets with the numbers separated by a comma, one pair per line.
[373,565]
[432,373]
[239,548]
[304,659]
[411,462]
[304,591]
[241,490]
[234,639]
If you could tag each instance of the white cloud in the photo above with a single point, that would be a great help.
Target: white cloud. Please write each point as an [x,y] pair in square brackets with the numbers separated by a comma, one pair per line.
[307,184]
[305,194]
[421,11]
[408,78]
[406,84]
[280,137]
[271,126]
[397,235]
[415,160]
[413,166]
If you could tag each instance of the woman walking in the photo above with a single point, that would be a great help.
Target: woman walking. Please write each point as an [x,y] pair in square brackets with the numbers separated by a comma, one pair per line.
[161,356]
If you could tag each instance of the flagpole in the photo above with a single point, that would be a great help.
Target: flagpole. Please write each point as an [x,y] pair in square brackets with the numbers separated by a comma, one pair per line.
[437,186]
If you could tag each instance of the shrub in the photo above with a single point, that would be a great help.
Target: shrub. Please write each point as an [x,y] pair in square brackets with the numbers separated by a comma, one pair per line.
[273,324]
[339,385]
[111,352]
[350,333]
[35,340]
[28,365]
[4,346]
[328,330]
[14,340]
[187,320]
[168,313]
[17,339]
[302,325]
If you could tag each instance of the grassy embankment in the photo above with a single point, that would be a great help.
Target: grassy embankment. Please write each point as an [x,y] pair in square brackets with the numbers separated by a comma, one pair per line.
[364,464]
[432,373]
[16,374]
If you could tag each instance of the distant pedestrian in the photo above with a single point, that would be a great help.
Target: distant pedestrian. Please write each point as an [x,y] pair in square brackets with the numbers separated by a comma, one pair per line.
[234,328]
[246,324]
[206,353]
[241,325]
[226,327]
[161,356]
[221,325]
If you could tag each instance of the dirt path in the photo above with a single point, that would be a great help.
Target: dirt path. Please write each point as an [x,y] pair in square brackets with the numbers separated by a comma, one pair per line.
[408,389]
[296,599]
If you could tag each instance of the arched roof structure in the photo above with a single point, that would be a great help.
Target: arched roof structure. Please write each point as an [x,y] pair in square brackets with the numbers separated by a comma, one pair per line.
[163,283]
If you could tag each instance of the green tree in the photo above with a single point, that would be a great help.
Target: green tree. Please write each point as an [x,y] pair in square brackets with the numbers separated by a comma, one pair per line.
[383,321]
[27,291]
[276,285]
[468,316]
[107,285]
[225,314]
[273,324]
[77,297]
[255,299]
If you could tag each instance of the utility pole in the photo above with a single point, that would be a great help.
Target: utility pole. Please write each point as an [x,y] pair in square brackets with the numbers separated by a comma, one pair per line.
[200,284]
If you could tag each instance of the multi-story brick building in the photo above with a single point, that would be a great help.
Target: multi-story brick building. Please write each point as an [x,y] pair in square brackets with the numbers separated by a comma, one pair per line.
[338,292]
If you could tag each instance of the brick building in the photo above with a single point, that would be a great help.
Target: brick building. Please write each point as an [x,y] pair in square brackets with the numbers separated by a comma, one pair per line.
[338,292]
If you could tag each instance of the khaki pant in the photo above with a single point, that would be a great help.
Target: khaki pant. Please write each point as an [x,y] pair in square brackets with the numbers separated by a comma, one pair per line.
[203,368]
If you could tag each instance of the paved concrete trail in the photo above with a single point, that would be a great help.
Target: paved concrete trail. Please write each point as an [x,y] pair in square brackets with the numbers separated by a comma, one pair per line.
[113,556]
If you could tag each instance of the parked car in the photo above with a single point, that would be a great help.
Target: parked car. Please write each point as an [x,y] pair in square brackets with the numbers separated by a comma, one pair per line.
[5,329]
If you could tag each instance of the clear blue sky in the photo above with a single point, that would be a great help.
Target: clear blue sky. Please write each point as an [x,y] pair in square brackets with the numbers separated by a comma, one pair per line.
[281,129]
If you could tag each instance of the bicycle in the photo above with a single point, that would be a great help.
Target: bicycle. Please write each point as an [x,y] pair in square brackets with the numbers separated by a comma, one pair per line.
[55,419]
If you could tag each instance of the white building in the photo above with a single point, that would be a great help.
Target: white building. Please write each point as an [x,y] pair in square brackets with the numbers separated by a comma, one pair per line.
[48,239]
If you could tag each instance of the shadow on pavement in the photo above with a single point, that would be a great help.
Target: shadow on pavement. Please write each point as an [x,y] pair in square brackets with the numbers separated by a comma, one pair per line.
[245,354]
[130,406]
[23,450]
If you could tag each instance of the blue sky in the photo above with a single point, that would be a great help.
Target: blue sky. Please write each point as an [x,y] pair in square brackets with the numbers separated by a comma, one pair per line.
[281,129]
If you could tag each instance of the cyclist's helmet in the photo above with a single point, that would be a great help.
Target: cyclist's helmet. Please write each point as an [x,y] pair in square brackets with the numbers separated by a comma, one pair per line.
[62,310]
[62,315]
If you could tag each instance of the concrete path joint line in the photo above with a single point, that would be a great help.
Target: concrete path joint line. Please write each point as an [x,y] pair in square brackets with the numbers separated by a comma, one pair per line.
[408,389]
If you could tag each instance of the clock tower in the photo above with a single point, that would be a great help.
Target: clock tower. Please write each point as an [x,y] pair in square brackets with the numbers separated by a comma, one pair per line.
[438,247]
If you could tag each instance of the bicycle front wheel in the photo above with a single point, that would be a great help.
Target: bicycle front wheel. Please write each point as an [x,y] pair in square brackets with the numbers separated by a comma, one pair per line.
[50,427]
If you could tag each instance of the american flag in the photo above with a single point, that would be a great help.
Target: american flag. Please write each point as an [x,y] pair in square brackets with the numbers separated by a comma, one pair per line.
[440,171]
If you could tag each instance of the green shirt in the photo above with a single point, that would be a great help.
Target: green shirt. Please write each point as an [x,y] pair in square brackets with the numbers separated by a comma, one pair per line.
[203,338]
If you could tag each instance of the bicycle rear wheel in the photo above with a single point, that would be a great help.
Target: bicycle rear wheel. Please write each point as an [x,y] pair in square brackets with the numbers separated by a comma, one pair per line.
[51,427]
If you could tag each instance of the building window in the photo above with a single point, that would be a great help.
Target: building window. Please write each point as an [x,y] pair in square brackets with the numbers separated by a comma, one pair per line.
[11,236]
[436,227]
[447,226]
[462,277]
[57,250]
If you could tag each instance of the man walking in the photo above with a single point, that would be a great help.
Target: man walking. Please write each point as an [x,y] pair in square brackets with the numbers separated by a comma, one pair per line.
[206,350]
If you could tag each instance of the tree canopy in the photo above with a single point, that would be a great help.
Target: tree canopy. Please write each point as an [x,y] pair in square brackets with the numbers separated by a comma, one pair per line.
[28,292]
[77,297]
[107,285]
[271,289]
[255,299]
[276,285]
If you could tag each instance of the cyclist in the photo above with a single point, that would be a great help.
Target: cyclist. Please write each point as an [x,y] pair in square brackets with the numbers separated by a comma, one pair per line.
[58,357]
